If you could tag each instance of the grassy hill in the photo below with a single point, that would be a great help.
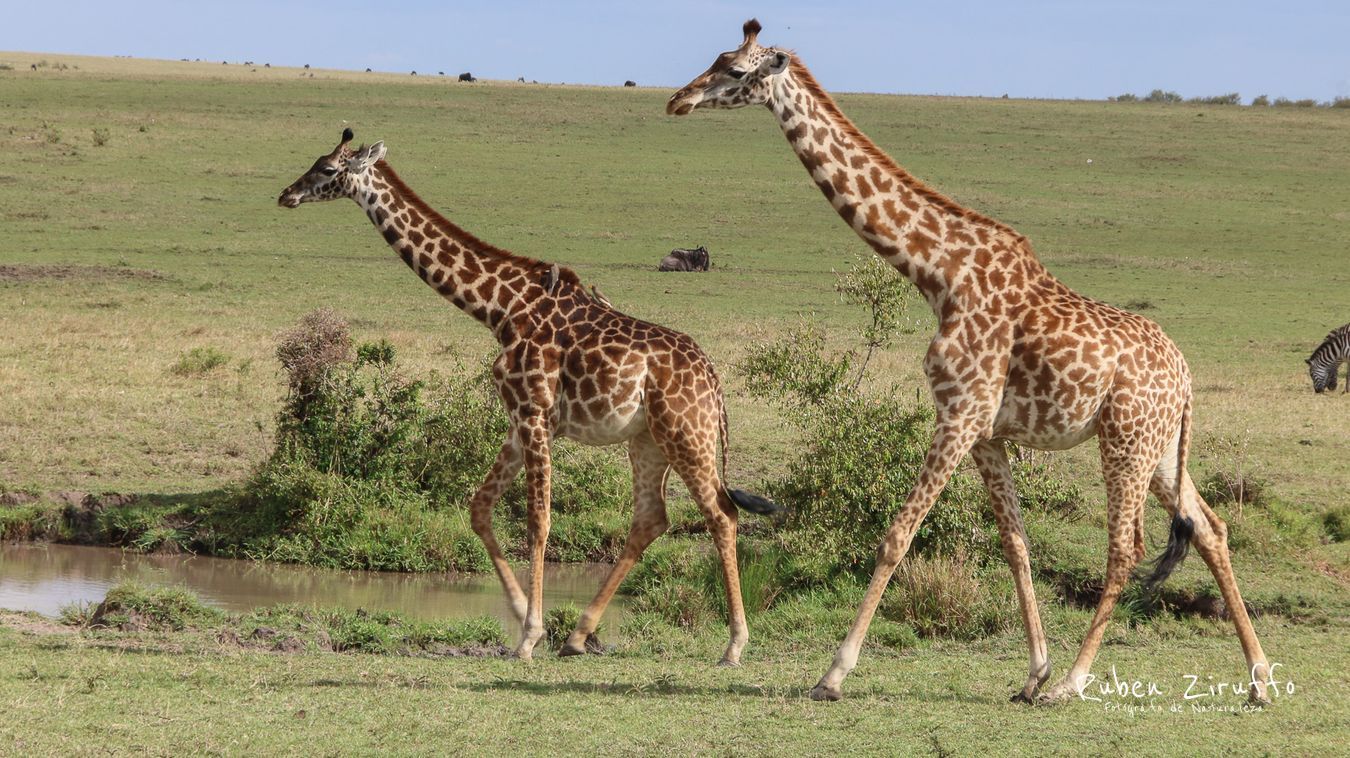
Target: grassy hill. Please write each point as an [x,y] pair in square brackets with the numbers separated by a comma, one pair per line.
[147,190]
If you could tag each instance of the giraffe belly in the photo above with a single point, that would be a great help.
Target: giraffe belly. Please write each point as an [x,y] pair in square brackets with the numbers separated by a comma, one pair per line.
[618,425]
[1045,426]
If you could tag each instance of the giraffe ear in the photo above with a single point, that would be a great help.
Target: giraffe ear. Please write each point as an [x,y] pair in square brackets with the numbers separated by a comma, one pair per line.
[366,157]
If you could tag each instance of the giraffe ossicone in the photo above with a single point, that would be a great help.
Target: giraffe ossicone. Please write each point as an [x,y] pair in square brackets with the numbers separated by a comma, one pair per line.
[570,366]
[1018,356]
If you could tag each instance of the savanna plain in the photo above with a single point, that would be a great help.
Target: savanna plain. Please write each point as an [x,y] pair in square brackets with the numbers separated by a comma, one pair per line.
[146,273]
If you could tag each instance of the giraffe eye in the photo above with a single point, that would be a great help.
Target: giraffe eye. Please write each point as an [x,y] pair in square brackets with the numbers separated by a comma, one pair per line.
[330,170]
[735,73]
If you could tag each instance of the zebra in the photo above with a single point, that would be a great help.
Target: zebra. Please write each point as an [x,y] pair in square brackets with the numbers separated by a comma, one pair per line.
[1327,359]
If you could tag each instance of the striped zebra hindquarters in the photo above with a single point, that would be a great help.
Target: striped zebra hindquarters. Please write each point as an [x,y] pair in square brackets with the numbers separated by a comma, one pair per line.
[1326,360]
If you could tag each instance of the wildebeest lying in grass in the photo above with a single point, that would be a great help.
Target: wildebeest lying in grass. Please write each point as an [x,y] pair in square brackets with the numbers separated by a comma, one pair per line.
[686,259]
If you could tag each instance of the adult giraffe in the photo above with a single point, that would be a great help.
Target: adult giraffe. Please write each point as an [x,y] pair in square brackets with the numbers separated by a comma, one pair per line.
[1018,356]
[570,365]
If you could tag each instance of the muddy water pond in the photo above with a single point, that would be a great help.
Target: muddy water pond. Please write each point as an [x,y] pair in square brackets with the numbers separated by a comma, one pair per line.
[44,577]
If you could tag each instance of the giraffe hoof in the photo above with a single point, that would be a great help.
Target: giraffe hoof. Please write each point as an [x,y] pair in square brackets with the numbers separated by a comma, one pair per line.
[1053,697]
[1021,697]
[727,663]
[829,694]
[568,650]
[1259,701]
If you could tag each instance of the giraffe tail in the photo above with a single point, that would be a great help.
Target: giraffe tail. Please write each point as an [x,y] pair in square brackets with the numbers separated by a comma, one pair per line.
[1179,536]
[1178,545]
[752,503]
[746,501]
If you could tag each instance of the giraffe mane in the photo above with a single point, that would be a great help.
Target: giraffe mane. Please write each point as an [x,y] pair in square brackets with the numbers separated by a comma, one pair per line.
[451,229]
[804,77]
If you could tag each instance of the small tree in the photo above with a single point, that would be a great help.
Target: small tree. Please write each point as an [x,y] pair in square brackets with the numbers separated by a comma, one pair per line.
[1260,101]
[1161,96]
[873,284]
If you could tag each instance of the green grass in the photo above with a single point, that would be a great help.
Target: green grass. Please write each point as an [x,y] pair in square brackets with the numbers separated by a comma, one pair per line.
[193,691]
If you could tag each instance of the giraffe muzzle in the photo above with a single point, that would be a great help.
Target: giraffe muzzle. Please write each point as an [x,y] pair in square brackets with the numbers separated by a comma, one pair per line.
[680,104]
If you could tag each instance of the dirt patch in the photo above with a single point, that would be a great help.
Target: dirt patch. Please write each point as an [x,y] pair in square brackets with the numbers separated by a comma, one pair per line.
[1330,571]
[81,509]
[33,623]
[17,498]
[1085,594]
[11,272]
[468,651]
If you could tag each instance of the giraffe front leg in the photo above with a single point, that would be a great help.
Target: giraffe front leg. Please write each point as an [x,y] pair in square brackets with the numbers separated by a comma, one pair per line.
[503,472]
[950,444]
[538,475]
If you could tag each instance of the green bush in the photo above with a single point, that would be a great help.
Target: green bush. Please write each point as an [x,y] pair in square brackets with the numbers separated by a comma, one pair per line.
[669,584]
[1232,98]
[373,469]
[1039,490]
[198,361]
[1260,101]
[33,521]
[133,606]
[1162,96]
[1221,487]
[1336,522]
[943,597]
[860,461]
[559,621]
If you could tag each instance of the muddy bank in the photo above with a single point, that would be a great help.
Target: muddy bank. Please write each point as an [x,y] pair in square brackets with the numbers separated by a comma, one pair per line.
[14,272]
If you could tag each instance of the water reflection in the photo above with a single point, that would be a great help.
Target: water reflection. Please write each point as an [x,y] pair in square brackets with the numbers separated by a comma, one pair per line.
[42,578]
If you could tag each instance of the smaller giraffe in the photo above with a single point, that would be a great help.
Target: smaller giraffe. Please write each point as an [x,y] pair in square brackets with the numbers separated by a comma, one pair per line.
[571,366]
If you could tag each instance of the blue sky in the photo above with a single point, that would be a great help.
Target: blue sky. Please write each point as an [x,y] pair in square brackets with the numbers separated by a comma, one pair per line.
[1037,48]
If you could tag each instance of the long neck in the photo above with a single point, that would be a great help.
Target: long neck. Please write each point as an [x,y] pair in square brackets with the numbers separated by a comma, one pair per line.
[484,281]
[929,238]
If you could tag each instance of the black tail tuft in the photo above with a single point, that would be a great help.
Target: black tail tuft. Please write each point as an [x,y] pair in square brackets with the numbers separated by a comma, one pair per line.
[1178,544]
[752,503]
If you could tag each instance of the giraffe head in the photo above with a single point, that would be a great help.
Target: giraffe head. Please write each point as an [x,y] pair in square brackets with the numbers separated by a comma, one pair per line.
[738,77]
[338,174]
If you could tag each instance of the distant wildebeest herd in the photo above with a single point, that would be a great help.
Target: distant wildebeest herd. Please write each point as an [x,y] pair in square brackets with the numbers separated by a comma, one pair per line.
[1018,357]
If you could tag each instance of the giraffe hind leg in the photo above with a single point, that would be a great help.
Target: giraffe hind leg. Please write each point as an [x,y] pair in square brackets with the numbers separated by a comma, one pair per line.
[1210,539]
[504,471]
[1126,470]
[650,470]
[538,476]
[991,459]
